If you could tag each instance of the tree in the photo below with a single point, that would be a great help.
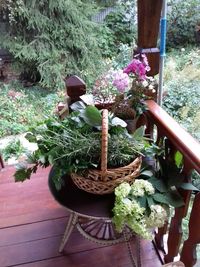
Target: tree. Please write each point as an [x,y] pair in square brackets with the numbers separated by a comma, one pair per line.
[53,38]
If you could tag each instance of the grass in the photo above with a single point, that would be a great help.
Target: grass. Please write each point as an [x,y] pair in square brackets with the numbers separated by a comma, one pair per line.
[21,108]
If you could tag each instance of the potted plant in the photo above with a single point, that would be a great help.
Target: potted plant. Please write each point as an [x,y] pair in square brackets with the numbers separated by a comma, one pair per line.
[145,205]
[124,91]
[74,146]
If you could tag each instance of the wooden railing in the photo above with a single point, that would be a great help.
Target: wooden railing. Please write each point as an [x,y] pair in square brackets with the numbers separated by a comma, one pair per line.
[178,140]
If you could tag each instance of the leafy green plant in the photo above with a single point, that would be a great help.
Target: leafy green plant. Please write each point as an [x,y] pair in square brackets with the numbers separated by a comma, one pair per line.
[19,107]
[74,144]
[182,103]
[183,16]
[13,149]
[119,29]
[53,39]
[145,204]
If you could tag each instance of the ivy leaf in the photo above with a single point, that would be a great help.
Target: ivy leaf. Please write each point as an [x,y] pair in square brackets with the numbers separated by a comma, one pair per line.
[22,173]
[189,186]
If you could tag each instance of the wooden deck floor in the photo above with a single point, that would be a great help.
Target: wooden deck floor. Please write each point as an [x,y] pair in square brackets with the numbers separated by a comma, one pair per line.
[31,228]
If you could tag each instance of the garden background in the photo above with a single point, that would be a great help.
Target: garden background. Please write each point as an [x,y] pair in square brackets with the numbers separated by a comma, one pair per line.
[50,40]
[43,54]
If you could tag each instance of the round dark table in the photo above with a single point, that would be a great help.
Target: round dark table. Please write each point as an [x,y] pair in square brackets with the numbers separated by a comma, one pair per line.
[81,202]
[90,214]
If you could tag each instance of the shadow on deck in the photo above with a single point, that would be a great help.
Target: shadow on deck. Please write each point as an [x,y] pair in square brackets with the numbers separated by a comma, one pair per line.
[32,224]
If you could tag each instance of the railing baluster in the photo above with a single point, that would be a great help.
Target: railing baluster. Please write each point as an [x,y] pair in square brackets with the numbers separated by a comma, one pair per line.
[188,254]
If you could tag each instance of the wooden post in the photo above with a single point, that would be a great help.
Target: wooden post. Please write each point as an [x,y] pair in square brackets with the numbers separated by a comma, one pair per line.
[188,254]
[1,162]
[149,13]
[75,87]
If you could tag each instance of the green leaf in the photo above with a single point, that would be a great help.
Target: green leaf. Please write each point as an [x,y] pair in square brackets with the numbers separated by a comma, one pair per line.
[118,122]
[42,159]
[147,173]
[142,201]
[178,159]
[51,159]
[139,132]
[174,199]
[31,137]
[189,186]
[92,116]
[160,198]
[161,186]
[22,173]
[150,201]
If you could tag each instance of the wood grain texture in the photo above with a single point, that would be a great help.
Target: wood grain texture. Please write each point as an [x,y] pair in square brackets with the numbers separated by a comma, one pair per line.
[181,139]
[32,224]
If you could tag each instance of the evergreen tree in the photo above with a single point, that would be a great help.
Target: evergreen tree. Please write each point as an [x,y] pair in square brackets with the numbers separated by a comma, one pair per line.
[54,38]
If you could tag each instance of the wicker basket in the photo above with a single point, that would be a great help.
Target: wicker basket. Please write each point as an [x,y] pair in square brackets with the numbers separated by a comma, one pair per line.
[105,180]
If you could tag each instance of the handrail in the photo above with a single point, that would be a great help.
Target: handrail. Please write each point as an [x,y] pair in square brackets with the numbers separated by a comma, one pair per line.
[183,141]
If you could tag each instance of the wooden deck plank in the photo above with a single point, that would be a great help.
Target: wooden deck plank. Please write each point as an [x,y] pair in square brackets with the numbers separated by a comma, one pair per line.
[78,251]
[27,202]
[31,228]
[31,232]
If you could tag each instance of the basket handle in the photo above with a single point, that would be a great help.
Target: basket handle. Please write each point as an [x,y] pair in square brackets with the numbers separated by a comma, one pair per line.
[104,144]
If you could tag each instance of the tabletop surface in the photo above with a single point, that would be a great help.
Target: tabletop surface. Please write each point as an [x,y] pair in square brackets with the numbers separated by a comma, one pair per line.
[80,201]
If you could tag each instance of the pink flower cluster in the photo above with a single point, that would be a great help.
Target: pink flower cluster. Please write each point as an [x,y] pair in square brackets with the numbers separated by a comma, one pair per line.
[120,80]
[139,67]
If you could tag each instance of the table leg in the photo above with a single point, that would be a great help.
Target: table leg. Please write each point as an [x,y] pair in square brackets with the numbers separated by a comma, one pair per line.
[73,219]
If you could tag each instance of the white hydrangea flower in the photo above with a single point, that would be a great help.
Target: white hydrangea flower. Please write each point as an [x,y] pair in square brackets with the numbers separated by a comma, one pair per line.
[140,186]
[157,217]
[122,190]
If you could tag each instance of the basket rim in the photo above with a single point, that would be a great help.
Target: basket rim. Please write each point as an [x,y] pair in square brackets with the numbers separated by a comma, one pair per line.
[138,159]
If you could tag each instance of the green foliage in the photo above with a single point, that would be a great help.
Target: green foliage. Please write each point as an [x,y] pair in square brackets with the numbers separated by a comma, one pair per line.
[22,107]
[123,57]
[119,28]
[54,38]
[182,83]
[182,103]
[74,144]
[183,16]
[13,149]
[106,3]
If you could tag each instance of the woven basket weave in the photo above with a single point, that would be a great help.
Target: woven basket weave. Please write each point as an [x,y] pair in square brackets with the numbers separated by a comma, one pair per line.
[105,180]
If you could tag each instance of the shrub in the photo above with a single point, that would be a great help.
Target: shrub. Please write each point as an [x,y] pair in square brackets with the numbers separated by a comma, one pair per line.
[119,28]
[19,107]
[183,16]
[54,38]
[182,103]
